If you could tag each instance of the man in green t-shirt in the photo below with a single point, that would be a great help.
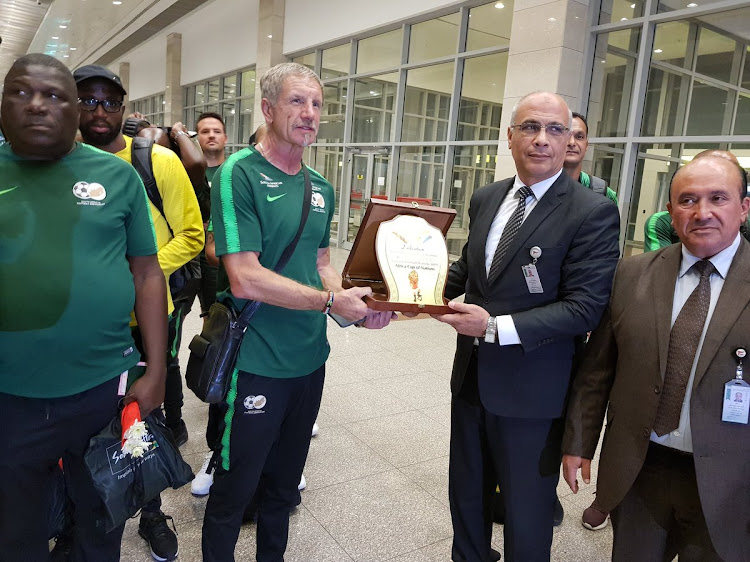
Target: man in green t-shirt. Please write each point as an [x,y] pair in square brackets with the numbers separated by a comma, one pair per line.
[77,251]
[576,152]
[275,391]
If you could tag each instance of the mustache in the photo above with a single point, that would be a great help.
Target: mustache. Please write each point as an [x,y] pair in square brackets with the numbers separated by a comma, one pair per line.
[310,124]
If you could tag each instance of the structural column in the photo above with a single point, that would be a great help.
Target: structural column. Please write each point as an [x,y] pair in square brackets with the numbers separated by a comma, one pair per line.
[124,73]
[546,53]
[172,88]
[270,46]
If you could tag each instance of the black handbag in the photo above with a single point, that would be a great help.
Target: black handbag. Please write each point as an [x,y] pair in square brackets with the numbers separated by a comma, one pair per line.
[213,352]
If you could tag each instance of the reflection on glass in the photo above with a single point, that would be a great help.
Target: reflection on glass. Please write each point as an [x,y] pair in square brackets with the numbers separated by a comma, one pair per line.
[213,90]
[715,55]
[671,42]
[428,96]
[334,111]
[329,161]
[336,61]
[607,164]
[489,25]
[230,87]
[482,93]
[708,106]
[473,167]
[245,121]
[379,52]
[200,93]
[672,5]
[307,60]
[620,10]
[746,70]
[666,101]
[650,194]
[228,113]
[434,38]
[247,85]
[420,172]
[612,82]
[742,120]
[373,108]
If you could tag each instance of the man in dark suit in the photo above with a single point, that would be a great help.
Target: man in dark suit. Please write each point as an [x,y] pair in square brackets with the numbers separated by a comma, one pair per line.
[536,272]
[673,474]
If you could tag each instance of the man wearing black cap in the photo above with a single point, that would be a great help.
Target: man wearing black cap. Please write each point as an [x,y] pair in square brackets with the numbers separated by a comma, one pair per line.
[77,249]
[179,238]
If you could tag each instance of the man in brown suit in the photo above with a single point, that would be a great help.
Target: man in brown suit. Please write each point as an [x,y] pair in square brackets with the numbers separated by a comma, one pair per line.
[674,475]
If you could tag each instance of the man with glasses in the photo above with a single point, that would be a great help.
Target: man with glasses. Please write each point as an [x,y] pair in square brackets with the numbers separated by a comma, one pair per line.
[536,272]
[179,237]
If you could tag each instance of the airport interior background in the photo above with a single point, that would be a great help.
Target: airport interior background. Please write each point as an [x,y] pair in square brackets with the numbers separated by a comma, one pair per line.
[417,103]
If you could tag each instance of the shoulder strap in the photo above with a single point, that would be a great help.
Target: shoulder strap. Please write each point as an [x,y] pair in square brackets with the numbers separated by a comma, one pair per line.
[140,157]
[252,306]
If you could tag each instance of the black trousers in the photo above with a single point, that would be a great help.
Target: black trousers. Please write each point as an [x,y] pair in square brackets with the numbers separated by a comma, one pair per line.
[38,433]
[522,455]
[266,437]
[661,517]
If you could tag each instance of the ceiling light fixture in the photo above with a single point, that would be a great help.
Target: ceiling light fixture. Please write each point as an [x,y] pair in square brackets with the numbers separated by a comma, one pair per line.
[63,27]
[692,5]
[658,51]
[73,48]
[551,19]
[55,37]
[632,6]
[116,2]
[499,5]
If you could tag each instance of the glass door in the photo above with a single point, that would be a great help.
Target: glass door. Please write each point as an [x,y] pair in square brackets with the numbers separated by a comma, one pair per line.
[368,178]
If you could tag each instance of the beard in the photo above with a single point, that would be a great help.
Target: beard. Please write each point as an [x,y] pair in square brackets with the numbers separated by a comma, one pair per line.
[96,138]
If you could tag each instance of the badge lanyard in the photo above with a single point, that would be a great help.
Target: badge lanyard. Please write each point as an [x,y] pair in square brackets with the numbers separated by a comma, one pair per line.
[530,273]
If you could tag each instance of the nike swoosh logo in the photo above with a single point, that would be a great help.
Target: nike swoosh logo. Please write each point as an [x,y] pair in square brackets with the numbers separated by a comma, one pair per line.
[274,198]
[4,191]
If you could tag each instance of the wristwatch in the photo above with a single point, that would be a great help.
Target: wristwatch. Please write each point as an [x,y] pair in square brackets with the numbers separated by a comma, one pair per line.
[491,331]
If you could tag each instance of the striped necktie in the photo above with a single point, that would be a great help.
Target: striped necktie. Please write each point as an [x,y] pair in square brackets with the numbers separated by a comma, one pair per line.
[509,232]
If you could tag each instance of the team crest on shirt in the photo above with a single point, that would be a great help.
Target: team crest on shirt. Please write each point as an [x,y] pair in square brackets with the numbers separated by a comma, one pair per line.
[269,181]
[255,404]
[318,203]
[89,193]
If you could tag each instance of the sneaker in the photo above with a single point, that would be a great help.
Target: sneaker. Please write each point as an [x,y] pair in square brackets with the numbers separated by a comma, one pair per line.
[315,429]
[302,483]
[201,484]
[593,519]
[179,432]
[160,538]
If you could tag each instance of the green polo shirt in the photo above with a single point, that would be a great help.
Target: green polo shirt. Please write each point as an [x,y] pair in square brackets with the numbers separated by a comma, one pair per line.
[66,230]
[255,207]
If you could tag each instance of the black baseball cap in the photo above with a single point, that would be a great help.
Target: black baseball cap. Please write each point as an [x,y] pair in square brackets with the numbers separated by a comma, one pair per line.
[96,71]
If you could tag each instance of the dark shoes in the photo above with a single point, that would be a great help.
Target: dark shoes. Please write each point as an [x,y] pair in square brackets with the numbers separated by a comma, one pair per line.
[593,519]
[179,432]
[155,531]
[494,555]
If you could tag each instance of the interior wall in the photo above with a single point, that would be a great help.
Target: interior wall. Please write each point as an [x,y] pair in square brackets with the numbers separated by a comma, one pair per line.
[307,23]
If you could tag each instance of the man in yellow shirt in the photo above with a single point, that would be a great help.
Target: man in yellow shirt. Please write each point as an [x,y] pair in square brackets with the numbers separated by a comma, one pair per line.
[179,238]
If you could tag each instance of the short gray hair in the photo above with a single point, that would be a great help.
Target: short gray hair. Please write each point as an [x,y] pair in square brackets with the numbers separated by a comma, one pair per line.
[272,82]
[524,98]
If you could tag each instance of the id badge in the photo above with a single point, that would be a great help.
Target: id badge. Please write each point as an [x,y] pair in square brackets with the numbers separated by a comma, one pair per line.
[531,275]
[736,402]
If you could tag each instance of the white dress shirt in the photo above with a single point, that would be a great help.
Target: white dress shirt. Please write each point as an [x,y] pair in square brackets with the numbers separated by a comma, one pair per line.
[687,280]
[506,329]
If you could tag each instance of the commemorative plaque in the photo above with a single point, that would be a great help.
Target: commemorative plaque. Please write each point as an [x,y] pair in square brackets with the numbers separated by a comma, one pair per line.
[400,252]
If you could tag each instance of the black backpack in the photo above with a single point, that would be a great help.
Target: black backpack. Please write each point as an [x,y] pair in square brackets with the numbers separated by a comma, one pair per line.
[186,280]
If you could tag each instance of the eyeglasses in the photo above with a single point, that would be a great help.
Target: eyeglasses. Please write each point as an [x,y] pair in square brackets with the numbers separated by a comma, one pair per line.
[531,129]
[110,106]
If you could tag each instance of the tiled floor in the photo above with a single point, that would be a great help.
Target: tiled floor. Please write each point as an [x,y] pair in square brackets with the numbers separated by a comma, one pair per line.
[377,473]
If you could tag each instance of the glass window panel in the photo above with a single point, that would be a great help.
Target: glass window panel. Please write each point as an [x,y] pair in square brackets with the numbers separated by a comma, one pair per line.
[715,55]
[666,101]
[230,87]
[746,71]
[200,94]
[188,96]
[307,60]
[742,120]
[336,62]
[229,114]
[620,10]
[329,161]
[245,121]
[373,108]
[380,52]
[671,5]
[247,85]
[434,38]
[333,116]
[612,82]
[429,90]
[489,25]
[213,91]
[606,163]
[671,42]
[708,107]
[481,101]
[421,172]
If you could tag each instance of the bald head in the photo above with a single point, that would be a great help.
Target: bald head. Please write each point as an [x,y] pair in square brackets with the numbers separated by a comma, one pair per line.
[537,97]
[717,153]
[717,156]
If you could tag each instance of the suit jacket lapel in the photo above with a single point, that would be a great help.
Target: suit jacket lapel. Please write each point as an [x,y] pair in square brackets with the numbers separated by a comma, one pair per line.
[541,211]
[664,283]
[734,297]
[494,200]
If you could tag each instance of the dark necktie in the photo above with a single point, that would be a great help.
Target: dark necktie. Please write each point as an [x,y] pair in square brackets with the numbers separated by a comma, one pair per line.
[683,344]
[510,231]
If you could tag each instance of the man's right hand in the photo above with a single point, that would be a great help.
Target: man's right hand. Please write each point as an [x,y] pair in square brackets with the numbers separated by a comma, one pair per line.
[571,464]
[349,303]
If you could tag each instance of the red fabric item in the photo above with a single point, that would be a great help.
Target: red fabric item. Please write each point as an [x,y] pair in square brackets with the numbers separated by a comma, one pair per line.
[130,415]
